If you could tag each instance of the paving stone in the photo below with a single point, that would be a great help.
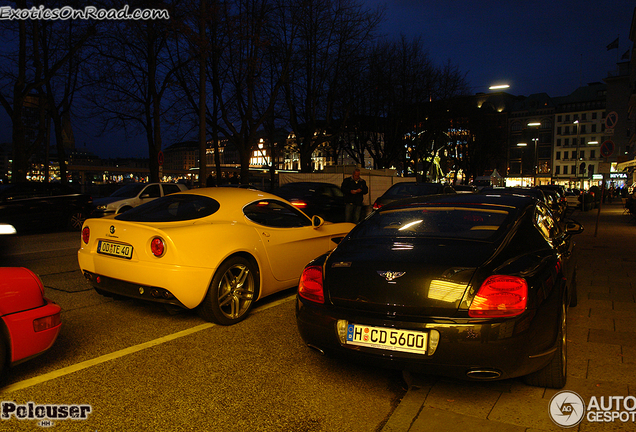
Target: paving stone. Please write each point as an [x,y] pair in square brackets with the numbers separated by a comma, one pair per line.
[435,420]
[526,406]
[469,398]
[612,337]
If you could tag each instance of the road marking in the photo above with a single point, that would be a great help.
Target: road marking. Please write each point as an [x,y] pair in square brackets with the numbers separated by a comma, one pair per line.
[21,385]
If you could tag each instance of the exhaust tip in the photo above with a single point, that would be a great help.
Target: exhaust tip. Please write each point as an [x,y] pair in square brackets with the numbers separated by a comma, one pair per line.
[315,348]
[483,374]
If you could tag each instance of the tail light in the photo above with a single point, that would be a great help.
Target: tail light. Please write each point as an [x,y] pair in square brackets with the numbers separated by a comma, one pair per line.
[500,296]
[86,235]
[46,323]
[376,206]
[299,204]
[310,286]
[157,247]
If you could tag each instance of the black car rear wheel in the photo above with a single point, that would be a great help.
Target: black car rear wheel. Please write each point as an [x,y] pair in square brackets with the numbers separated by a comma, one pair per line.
[554,375]
[76,220]
[232,291]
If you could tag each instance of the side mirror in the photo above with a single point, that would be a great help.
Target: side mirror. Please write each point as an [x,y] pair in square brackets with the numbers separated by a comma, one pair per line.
[145,195]
[573,227]
[317,221]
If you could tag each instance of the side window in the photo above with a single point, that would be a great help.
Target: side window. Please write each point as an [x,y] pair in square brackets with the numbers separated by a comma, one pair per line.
[170,188]
[24,191]
[153,191]
[336,192]
[275,214]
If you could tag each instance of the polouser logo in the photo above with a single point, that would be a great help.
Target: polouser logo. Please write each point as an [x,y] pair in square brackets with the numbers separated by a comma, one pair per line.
[567,409]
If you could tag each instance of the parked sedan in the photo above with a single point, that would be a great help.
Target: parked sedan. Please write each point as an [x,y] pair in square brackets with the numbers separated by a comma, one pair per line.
[30,322]
[404,190]
[31,206]
[215,249]
[132,195]
[469,285]
[315,198]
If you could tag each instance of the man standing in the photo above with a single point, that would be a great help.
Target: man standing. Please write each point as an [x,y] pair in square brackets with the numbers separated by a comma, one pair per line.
[354,189]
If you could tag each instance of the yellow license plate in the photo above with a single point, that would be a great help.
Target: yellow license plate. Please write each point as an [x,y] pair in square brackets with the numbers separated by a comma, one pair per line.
[387,338]
[115,249]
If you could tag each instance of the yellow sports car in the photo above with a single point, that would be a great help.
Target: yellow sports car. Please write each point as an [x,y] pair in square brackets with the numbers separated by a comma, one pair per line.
[215,249]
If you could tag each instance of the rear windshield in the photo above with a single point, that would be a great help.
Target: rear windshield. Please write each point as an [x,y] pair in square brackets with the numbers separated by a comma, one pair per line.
[172,208]
[453,222]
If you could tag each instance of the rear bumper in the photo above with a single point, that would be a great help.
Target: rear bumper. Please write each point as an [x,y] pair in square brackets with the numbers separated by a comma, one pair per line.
[25,341]
[500,350]
[138,279]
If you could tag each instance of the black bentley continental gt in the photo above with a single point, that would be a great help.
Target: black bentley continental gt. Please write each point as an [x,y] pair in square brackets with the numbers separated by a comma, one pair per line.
[465,285]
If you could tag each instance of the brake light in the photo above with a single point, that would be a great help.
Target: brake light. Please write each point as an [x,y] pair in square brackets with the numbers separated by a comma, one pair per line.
[46,323]
[86,235]
[500,296]
[157,247]
[310,286]
[299,204]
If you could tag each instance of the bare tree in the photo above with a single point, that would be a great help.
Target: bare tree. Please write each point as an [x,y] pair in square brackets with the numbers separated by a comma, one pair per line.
[131,76]
[328,52]
[25,78]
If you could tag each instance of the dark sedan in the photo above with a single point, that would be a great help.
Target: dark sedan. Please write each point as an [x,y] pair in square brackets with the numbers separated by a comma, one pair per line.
[411,189]
[470,285]
[31,206]
[315,199]
[550,198]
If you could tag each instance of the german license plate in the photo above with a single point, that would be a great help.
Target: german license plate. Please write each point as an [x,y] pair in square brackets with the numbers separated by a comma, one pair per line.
[115,249]
[387,338]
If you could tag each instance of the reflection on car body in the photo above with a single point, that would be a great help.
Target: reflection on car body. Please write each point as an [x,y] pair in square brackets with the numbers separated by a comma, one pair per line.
[473,286]
[215,249]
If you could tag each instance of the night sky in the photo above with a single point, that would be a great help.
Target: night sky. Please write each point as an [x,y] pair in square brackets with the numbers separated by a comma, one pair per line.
[534,46]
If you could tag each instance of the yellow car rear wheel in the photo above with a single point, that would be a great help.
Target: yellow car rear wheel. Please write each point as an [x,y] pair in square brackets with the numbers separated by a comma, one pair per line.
[232,292]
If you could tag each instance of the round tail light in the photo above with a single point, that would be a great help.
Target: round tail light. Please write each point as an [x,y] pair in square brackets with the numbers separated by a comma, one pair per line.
[157,247]
[86,235]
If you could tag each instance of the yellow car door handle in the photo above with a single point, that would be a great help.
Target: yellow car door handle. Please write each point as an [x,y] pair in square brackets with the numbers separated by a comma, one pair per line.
[266,234]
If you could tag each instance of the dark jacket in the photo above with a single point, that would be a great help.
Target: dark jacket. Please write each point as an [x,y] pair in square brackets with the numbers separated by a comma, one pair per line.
[348,185]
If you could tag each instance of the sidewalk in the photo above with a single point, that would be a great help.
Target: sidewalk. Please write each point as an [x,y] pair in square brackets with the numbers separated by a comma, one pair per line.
[601,351]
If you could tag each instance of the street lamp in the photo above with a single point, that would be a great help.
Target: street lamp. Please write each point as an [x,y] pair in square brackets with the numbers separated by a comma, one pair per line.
[521,144]
[498,87]
[578,153]
[536,150]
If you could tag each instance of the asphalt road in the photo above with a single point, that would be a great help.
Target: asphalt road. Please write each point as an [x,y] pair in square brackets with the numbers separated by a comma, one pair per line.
[141,367]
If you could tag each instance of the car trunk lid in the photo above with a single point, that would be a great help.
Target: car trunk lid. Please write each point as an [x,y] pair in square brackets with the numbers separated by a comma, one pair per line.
[409,277]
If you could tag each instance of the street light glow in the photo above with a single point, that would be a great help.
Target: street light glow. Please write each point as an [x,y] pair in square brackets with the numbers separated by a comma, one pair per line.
[534,124]
[498,87]
[522,144]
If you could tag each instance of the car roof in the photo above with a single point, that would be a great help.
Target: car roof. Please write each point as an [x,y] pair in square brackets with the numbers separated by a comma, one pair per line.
[533,192]
[510,200]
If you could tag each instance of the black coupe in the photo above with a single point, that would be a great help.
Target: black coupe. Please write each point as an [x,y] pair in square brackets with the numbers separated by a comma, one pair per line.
[465,285]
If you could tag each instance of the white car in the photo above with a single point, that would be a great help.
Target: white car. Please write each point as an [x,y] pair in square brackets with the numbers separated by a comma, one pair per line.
[132,195]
